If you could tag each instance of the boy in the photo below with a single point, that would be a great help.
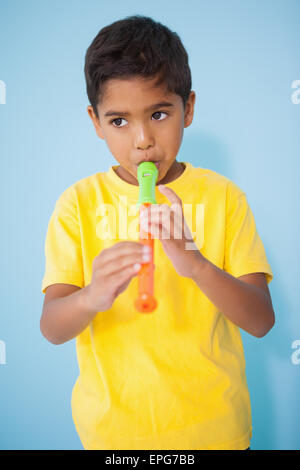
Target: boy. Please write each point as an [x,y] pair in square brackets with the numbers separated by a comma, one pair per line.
[174,378]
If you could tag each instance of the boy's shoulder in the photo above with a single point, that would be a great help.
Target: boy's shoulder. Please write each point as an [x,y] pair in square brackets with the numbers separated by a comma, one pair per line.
[214,180]
[80,188]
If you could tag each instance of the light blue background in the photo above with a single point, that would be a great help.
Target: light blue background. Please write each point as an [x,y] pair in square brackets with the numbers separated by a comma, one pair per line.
[244,56]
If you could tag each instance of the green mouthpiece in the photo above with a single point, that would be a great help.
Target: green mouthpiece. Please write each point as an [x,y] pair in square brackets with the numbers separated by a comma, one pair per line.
[147,175]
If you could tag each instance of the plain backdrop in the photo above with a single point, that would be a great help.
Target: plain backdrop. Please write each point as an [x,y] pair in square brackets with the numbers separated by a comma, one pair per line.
[244,56]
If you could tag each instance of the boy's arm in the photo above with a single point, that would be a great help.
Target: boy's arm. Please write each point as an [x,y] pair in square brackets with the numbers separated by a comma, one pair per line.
[68,309]
[65,313]
[245,301]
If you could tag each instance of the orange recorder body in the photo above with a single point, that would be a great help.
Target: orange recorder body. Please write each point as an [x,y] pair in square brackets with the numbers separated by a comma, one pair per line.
[146,302]
[147,174]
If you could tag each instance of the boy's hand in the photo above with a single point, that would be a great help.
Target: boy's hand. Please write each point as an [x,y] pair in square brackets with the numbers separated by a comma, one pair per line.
[113,270]
[168,224]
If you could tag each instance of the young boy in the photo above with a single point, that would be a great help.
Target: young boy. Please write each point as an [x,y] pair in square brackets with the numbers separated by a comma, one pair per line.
[174,378]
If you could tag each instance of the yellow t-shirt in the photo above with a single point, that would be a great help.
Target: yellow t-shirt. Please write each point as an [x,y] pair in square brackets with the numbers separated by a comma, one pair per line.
[175,378]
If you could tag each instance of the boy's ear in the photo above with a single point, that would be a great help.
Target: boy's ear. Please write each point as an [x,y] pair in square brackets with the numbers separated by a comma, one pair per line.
[189,109]
[96,122]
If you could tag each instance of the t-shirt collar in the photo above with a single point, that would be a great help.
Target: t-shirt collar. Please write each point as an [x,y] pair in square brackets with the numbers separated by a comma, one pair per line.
[118,185]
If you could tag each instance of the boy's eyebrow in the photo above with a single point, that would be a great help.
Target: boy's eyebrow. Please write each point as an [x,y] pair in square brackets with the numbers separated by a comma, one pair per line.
[124,113]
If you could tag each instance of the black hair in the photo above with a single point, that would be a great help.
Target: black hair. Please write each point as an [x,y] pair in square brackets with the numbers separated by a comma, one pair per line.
[137,46]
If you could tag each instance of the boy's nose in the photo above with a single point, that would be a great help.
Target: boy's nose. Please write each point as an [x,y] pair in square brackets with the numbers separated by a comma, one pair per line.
[143,140]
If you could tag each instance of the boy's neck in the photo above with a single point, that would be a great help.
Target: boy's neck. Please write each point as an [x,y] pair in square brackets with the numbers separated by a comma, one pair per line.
[173,173]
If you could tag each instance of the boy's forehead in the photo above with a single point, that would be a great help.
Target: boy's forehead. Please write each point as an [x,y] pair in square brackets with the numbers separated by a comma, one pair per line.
[130,93]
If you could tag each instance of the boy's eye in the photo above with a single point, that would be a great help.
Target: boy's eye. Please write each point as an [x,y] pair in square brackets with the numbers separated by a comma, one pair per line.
[118,121]
[159,112]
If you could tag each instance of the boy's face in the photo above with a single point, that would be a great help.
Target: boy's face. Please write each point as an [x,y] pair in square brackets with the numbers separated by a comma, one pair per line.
[140,129]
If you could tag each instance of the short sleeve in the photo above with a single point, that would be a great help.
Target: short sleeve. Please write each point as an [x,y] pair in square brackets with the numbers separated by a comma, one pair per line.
[63,253]
[244,250]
